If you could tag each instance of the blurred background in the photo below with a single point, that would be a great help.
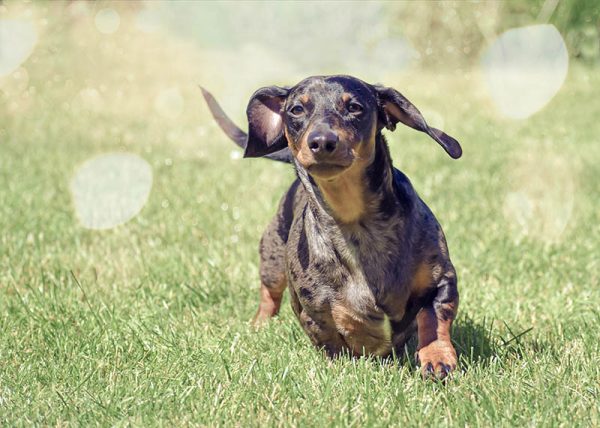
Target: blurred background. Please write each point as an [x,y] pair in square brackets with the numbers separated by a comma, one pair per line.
[123,205]
[131,69]
[102,123]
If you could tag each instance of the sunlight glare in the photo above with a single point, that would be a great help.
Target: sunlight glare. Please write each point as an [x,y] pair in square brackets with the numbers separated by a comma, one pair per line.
[110,189]
[107,21]
[17,41]
[524,68]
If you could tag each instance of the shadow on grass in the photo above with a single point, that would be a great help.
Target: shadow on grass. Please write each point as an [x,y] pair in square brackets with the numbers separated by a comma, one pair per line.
[474,341]
[477,344]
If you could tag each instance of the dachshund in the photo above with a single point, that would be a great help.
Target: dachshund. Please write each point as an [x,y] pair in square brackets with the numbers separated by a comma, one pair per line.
[364,258]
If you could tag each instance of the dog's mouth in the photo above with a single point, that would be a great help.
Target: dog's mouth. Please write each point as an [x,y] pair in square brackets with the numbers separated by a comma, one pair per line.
[327,169]
[326,165]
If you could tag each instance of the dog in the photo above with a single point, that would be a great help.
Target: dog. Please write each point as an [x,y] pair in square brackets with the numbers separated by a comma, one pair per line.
[365,260]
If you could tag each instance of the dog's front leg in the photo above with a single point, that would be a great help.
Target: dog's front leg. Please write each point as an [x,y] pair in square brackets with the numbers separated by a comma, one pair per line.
[273,281]
[323,334]
[269,303]
[434,321]
[321,330]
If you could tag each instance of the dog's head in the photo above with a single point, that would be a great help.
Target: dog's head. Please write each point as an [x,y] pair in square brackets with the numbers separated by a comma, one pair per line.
[330,122]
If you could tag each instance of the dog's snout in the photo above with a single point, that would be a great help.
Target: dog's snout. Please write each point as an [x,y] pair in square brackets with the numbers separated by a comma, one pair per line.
[322,142]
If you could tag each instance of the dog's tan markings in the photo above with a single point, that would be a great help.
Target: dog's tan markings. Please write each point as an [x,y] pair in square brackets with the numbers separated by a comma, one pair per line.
[270,302]
[323,332]
[348,137]
[366,150]
[304,98]
[299,149]
[345,136]
[347,194]
[293,146]
[435,351]
[422,280]
[346,97]
[363,335]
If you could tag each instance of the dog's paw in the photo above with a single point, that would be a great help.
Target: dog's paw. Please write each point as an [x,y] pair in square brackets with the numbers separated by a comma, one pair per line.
[437,360]
[261,318]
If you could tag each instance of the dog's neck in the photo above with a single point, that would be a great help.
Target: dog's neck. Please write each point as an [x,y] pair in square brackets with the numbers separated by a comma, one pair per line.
[365,191]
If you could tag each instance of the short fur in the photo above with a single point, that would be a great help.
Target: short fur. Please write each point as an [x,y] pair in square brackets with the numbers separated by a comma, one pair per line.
[364,258]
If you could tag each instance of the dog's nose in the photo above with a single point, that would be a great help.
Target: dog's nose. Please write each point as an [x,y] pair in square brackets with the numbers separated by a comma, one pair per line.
[322,142]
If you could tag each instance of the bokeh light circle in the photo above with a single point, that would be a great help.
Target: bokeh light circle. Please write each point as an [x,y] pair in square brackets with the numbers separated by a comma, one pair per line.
[107,21]
[524,68]
[17,40]
[110,189]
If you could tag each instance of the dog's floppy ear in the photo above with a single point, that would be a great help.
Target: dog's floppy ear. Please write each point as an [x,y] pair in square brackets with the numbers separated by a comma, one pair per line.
[394,108]
[265,122]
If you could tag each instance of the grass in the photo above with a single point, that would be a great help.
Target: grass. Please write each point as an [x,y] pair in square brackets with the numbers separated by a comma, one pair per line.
[146,324]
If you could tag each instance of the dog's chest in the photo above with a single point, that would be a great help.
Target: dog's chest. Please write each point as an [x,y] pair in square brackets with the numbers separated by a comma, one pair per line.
[360,320]
[349,276]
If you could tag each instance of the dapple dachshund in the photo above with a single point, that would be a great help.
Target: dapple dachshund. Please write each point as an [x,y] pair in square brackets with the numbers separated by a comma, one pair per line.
[365,259]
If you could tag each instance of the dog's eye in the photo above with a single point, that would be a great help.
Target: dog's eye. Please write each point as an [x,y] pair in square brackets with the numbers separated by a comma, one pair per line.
[355,108]
[297,110]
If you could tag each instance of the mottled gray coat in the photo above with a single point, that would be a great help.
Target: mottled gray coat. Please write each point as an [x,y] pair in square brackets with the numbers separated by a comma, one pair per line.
[365,260]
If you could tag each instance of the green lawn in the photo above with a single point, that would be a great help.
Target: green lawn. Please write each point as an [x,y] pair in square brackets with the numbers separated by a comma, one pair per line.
[147,323]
